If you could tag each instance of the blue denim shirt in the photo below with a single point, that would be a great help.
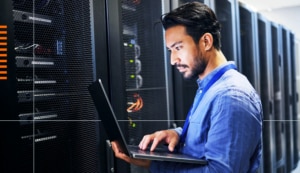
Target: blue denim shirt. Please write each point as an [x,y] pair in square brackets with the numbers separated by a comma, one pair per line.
[225,128]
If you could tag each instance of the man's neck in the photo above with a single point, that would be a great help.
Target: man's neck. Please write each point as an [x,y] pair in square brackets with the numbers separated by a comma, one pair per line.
[216,59]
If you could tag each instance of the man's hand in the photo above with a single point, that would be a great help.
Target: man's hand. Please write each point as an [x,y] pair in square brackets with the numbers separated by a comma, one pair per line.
[169,137]
[120,154]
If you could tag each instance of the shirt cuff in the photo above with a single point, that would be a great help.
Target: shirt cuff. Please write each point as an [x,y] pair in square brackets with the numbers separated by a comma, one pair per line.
[178,130]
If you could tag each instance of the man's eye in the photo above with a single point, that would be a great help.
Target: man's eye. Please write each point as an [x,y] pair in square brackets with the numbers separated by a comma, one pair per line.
[177,47]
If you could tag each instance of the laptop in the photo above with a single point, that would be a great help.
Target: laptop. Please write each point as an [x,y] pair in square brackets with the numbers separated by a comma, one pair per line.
[113,130]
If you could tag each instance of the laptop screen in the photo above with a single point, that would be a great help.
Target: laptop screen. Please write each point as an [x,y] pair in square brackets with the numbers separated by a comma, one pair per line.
[106,113]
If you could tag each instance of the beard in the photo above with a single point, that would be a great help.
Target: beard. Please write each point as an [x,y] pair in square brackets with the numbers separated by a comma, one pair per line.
[197,69]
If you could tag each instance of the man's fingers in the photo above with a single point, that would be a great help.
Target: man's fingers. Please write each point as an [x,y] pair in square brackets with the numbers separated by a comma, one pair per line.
[145,141]
[159,137]
[118,152]
[115,147]
[166,136]
[154,144]
[172,145]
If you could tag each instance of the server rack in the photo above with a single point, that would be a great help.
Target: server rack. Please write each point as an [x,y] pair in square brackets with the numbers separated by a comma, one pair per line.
[291,143]
[295,99]
[44,77]
[278,86]
[138,72]
[249,45]
[265,54]
[227,13]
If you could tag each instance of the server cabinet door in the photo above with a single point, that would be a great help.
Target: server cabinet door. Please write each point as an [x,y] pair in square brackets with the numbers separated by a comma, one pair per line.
[139,71]
[280,131]
[49,69]
[294,99]
[227,13]
[249,45]
[266,86]
[291,144]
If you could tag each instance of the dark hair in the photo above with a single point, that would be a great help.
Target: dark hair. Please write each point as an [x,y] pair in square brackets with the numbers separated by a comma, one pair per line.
[198,19]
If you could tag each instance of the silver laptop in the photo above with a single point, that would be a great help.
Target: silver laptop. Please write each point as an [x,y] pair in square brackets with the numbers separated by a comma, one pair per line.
[113,130]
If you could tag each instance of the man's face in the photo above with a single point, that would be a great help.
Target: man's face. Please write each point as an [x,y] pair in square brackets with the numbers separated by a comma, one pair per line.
[185,54]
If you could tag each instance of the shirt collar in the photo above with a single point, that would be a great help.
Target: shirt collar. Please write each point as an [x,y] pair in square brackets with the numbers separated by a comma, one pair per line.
[202,83]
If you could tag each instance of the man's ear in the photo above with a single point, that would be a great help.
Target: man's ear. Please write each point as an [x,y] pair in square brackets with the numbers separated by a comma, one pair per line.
[208,41]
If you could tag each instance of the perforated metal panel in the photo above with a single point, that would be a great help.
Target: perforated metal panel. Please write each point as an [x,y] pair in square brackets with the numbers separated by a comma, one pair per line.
[145,71]
[53,112]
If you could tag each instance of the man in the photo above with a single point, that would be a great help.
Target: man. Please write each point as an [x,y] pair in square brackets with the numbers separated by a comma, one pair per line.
[224,125]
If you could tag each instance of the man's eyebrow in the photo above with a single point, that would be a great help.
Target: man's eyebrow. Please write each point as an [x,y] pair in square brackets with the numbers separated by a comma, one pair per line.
[176,43]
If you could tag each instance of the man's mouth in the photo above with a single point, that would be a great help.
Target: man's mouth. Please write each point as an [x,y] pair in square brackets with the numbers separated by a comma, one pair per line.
[181,68]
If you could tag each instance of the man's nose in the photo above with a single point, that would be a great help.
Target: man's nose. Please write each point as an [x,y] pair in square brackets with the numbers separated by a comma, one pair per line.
[174,58]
